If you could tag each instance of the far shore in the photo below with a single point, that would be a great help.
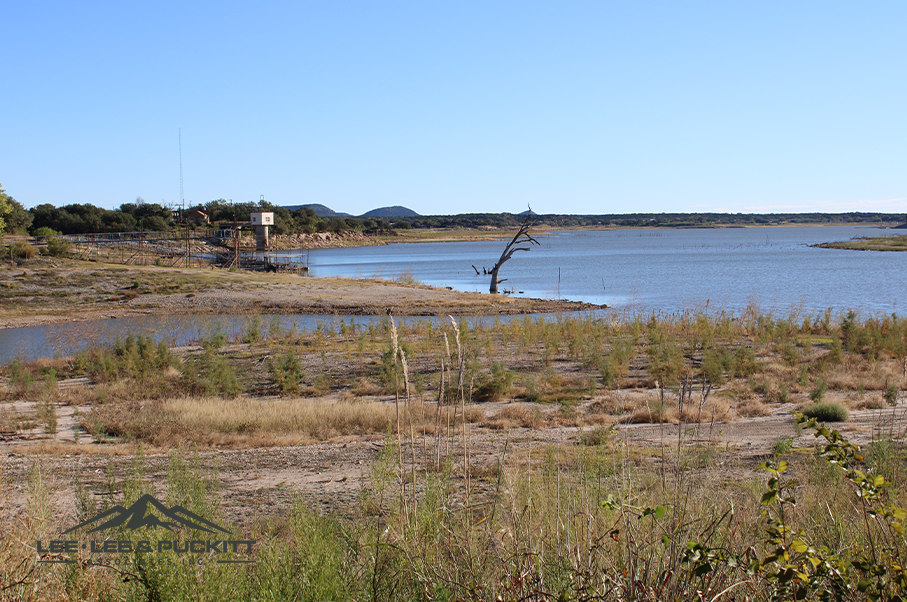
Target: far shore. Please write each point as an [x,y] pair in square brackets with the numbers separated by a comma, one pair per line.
[325,240]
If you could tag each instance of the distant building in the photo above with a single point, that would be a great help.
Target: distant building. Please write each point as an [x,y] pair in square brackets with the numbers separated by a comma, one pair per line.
[261,222]
[197,216]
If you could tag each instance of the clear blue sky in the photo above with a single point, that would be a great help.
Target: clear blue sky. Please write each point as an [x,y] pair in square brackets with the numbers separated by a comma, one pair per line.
[456,107]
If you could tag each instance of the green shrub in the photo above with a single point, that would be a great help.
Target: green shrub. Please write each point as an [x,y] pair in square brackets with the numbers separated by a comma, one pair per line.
[21,380]
[891,395]
[610,371]
[210,376]
[213,338]
[44,231]
[826,411]
[57,247]
[47,413]
[715,363]
[286,373]
[221,379]
[496,385]
[253,330]
[745,362]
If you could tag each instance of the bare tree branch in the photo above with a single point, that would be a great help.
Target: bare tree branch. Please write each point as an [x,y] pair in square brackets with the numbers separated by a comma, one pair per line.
[522,236]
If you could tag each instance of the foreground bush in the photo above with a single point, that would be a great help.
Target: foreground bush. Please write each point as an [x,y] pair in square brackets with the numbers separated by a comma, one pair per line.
[826,412]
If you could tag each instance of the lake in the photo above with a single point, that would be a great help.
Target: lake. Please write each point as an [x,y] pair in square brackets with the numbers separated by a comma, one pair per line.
[634,271]
[668,270]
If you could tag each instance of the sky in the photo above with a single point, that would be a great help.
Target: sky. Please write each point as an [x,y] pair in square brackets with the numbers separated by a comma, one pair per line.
[458,107]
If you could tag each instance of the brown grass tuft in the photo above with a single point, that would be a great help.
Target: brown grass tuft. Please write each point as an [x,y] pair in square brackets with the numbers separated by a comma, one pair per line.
[749,405]
[515,415]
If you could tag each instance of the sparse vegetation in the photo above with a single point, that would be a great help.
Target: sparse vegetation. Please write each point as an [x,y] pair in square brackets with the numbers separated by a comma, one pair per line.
[671,369]
[503,533]
[592,517]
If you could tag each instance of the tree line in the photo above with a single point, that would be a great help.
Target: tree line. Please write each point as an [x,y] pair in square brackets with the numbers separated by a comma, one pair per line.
[643,220]
[131,217]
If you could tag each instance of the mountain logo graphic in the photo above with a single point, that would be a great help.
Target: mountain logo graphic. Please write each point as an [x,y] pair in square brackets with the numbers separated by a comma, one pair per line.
[137,516]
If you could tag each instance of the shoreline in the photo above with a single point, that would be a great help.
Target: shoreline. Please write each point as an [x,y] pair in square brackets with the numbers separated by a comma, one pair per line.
[47,291]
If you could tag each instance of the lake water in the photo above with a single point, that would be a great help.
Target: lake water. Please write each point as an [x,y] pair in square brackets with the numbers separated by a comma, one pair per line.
[634,271]
[728,269]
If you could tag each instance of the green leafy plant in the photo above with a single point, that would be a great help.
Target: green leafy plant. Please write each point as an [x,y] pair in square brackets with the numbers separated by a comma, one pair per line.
[782,445]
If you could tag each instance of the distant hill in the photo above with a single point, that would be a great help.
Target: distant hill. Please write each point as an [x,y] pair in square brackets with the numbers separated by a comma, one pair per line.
[320,210]
[395,211]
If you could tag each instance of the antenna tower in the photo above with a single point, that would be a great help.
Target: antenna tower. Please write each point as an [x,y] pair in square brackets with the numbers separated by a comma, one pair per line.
[182,201]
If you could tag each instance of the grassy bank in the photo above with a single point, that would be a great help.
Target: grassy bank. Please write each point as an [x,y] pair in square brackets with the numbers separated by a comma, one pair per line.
[877,243]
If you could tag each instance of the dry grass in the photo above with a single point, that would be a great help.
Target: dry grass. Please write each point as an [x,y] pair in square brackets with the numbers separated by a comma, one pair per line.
[515,415]
[750,406]
[873,401]
[247,421]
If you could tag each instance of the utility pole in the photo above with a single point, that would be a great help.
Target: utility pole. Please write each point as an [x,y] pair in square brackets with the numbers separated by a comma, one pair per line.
[235,243]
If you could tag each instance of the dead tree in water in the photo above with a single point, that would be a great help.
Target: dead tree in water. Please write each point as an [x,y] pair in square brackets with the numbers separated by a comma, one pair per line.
[522,236]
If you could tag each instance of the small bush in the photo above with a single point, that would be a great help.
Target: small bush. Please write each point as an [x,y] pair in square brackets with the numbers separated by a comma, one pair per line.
[221,379]
[57,247]
[44,231]
[610,372]
[23,250]
[891,395]
[818,393]
[47,413]
[21,380]
[597,436]
[497,384]
[827,411]
[782,445]
[287,373]
[213,339]
[253,330]
[744,362]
